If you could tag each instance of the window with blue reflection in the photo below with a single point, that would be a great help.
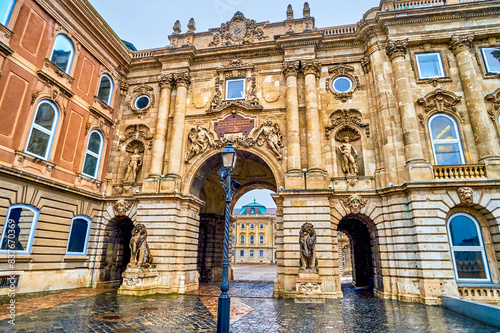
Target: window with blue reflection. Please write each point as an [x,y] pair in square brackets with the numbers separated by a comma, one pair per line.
[19,229]
[251,253]
[6,8]
[93,154]
[43,130]
[63,52]
[429,65]
[234,240]
[79,235]
[242,239]
[342,84]
[235,89]
[467,247]
[252,240]
[261,240]
[491,59]
[261,253]
[446,142]
[242,253]
[105,91]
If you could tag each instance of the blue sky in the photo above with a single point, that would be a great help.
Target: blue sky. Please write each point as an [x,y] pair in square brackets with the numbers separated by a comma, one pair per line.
[147,23]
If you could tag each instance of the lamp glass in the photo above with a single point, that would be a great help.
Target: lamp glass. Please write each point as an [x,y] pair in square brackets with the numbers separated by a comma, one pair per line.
[229,157]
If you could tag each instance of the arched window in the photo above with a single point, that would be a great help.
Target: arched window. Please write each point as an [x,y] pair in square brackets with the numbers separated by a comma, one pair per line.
[43,129]
[242,239]
[63,52]
[6,8]
[234,240]
[467,248]
[93,154]
[261,240]
[79,235]
[105,91]
[446,143]
[252,240]
[19,229]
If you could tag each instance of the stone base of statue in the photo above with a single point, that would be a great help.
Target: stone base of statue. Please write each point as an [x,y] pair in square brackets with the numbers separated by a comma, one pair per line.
[139,281]
[308,287]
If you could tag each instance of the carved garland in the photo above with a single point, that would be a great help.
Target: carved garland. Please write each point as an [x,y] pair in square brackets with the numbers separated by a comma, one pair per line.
[348,120]
[338,71]
[138,91]
[494,98]
[440,100]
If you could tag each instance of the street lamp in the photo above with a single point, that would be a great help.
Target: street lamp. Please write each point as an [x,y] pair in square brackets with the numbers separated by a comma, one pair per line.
[230,187]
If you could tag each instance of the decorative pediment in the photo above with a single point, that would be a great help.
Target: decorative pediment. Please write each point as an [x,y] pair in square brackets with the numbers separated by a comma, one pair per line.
[251,102]
[494,98]
[138,133]
[349,123]
[239,30]
[440,100]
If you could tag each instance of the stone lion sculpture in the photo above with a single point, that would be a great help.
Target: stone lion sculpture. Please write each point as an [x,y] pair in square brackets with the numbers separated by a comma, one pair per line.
[307,242]
[466,194]
[139,249]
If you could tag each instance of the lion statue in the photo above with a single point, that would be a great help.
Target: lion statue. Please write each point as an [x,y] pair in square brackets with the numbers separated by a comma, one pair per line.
[139,249]
[307,242]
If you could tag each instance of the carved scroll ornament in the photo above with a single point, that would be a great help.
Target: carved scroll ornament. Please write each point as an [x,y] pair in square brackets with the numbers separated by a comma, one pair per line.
[494,99]
[440,100]
[348,120]
[239,30]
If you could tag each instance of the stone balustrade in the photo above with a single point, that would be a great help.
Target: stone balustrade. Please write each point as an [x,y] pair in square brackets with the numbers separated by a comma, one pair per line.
[485,294]
[346,29]
[141,54]
[418,4]
[464,171]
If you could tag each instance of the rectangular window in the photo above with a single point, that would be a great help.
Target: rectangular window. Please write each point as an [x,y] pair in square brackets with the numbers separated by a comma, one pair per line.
[261,253]
[251,253]
[491,58]
[242,253]
[18,229]
[429,65]
[242,226]
[262,226]
[235,89]
[234,241]
[252,226]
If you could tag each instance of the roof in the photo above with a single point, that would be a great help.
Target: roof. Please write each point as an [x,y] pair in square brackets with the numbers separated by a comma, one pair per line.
[247,209]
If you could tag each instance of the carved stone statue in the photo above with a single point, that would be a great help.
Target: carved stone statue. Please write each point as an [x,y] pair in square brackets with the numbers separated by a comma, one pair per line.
[121,207]
[349,163]
[191,26]
[199,141]
[466,194]
[139,249]
[133,166]
[307,242]
[177,27]
[272,135]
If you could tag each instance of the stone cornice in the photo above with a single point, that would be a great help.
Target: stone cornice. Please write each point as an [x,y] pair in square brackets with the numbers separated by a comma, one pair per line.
[5,49]
[300,39]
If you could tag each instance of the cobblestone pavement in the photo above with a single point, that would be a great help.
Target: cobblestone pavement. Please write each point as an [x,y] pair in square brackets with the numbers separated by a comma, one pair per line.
[254,310]
[254,272]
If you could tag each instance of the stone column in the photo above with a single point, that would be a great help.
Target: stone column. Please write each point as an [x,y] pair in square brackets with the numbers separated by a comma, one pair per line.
[290,70]
[311,70]
[158,148]
[182,81]
[484,134]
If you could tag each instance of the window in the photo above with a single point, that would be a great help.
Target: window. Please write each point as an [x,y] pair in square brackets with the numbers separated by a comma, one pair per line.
[446,143]
[142,102]
[105,91]
[261,226]
[19,229]
[252,210]
[234,225]
[79,235]
[242,239]
[42,130]
[235,89]
[429,65]
[242,226]
[467,248]
[275,241]
[261,240]
[242,253]
[491,58]
[93,155]
[62,53]
[252,240]
[261,253]
[251,253]
[342,84]
[6,8]
[234,240]
[275,226]
[252,226]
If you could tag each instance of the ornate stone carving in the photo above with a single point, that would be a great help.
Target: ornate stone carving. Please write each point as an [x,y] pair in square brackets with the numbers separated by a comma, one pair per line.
[131,281]
[124,87]
[238,30]
[103,105]
[59,72]
[349,154]
[440,100]
[289,12]
[465,194]
[307,10]
[199,140]
[307,241]
[134,162]
[251,100]
[494,98]
[366,64]
[396,48]
[191,25]
[166,80]
[310,288]
[461,43]
[348,120]
[311,67]
[138,91]
[182,79]
[271,134]
[121,207]
[177,27]
[342,70]
[354,203]
[290,68]
[435,81]
[139,249]
[137,132]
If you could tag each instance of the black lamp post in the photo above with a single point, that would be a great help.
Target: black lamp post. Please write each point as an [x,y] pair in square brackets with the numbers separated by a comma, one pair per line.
[230,187]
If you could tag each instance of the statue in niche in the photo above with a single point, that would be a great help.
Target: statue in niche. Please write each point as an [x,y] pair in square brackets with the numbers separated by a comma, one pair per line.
[349,154]
[133,165]
[307,241]
[272,135]
[139,249]
[199,141]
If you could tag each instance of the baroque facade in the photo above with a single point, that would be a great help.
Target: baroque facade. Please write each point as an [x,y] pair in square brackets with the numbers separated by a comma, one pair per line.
[386,130]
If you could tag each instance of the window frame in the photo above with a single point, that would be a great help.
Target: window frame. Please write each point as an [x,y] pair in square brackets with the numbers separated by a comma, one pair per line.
[251,253]
[252,226]
[244,89]
[485,60]
[71,55]
[252,240]
[44,130]
[242,253]
[108,102]
[458,140]
[261,226]
[261,240]
[242,239]
[441,66]
[91,153]
[36,214]
[468,248]
[8,14]
[242,226]
[87,236]
[261,253]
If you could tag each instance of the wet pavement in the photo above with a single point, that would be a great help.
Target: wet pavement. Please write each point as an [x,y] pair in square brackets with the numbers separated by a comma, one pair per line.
[253,310]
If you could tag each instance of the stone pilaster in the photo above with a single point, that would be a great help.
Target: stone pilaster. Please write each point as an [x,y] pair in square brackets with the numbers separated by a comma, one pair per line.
[417,168]
[484,134]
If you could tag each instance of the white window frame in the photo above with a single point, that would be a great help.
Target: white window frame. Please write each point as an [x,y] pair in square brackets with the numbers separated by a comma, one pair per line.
[52,133]
[8,14]
[468,248]
[261,240]
[440,65]
[458,140]
[261,226]
[351,84]
[89,225]
[252,226]
[242,226]
[234,239]
[108,102]
[91,153]
[242,239]
[251,253]
[71,55]
[252,240]
[36,214]
[244,89]
[485,60]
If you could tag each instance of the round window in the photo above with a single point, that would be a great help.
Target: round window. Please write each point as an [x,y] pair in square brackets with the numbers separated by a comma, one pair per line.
[342,84]
[142,102]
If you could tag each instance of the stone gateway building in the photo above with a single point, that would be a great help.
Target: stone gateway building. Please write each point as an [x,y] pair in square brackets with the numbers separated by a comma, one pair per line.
[386,130]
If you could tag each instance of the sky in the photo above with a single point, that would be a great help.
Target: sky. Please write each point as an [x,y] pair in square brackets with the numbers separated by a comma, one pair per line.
[261,196]
[147,23]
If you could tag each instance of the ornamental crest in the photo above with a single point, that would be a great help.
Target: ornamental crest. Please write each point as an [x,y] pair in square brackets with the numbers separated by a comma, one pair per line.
[348,121]
[239,30]
[354,203]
